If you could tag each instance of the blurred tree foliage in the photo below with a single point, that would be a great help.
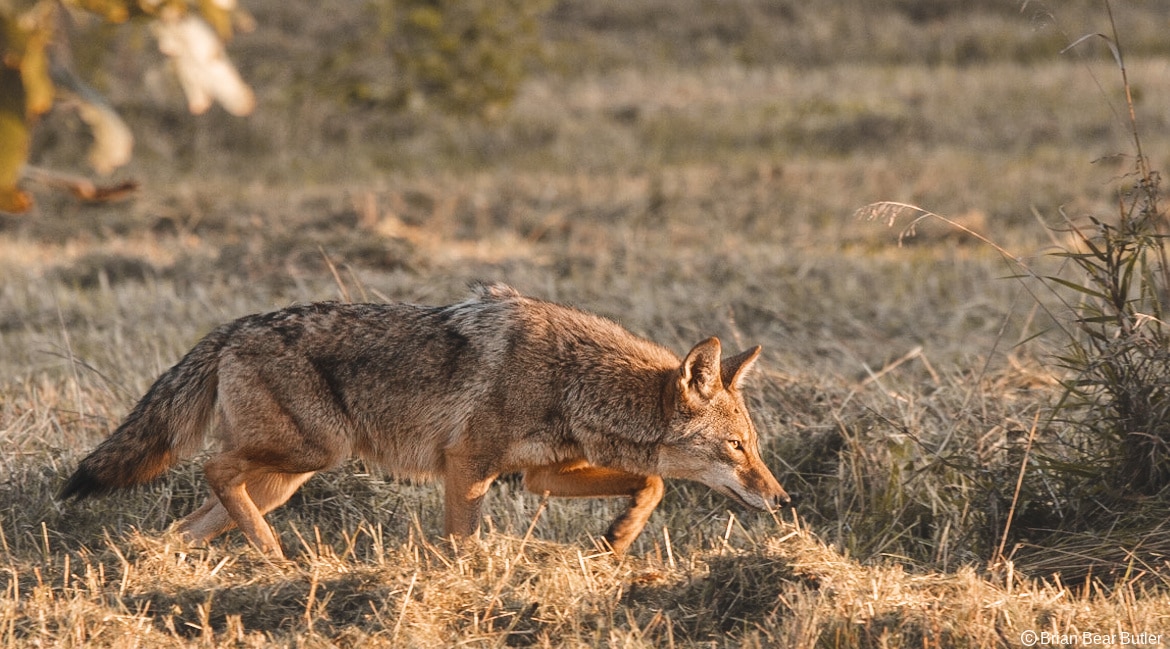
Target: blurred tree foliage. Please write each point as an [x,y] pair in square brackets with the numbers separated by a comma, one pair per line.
[466,56]
[36,72]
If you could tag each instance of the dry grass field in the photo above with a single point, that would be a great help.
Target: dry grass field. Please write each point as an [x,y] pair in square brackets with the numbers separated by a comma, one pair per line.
[686,173]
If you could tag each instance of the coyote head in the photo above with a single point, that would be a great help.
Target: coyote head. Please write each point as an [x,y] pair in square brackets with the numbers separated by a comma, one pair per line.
[711,438]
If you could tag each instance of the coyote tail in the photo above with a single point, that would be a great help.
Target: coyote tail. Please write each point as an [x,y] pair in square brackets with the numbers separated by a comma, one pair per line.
[166,425]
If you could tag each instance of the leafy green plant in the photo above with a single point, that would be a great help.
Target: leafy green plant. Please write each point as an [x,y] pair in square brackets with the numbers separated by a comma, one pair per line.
[1119,359]
[462,55]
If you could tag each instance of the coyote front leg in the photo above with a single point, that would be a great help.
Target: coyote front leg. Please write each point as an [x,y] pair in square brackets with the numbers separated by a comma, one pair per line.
[465,483]
[579,479]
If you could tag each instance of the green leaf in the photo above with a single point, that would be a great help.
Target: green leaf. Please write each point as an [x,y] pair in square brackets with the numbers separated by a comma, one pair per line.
[14,139]
[1076,287]
[34,73]
[428,19]
[114,11]
[1101,319]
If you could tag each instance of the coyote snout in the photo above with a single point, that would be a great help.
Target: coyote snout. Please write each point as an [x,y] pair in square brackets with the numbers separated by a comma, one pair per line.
[499,383]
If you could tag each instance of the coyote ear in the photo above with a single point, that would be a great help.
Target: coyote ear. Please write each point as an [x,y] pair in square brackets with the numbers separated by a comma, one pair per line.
[736,368]
[699,375]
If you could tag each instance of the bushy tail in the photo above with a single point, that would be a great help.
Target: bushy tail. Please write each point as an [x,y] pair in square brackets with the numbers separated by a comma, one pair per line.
[168,424]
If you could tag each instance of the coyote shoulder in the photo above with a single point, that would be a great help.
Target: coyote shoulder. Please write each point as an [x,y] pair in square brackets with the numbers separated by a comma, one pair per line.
[499,383]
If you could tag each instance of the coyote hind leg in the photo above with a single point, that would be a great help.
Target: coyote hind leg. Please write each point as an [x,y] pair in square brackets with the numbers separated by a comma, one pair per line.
[267,492]
[276,431]
[245,491]
[205,523]
[581,480]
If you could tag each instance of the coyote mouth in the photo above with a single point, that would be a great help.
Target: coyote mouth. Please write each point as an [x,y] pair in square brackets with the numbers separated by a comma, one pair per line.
[732,493]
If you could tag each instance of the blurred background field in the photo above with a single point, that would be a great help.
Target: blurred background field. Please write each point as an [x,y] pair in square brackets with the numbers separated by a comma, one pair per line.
[687,169]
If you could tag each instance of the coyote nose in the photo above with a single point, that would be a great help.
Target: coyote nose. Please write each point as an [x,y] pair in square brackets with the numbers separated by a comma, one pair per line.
[782,499]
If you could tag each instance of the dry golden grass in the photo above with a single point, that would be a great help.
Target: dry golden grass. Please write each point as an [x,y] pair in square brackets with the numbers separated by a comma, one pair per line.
[683,195]
[777,587]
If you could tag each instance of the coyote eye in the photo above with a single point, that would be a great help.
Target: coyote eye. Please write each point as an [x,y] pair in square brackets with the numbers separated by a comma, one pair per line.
[735,444]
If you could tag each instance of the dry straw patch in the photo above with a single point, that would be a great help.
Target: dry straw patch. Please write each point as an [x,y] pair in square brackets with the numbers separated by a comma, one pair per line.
[786,588]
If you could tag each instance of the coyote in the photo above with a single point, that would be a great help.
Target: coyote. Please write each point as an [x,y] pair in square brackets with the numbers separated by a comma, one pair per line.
[499,383]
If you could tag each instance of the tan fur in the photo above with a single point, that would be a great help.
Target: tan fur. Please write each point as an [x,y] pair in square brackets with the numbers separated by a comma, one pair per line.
[499,383]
